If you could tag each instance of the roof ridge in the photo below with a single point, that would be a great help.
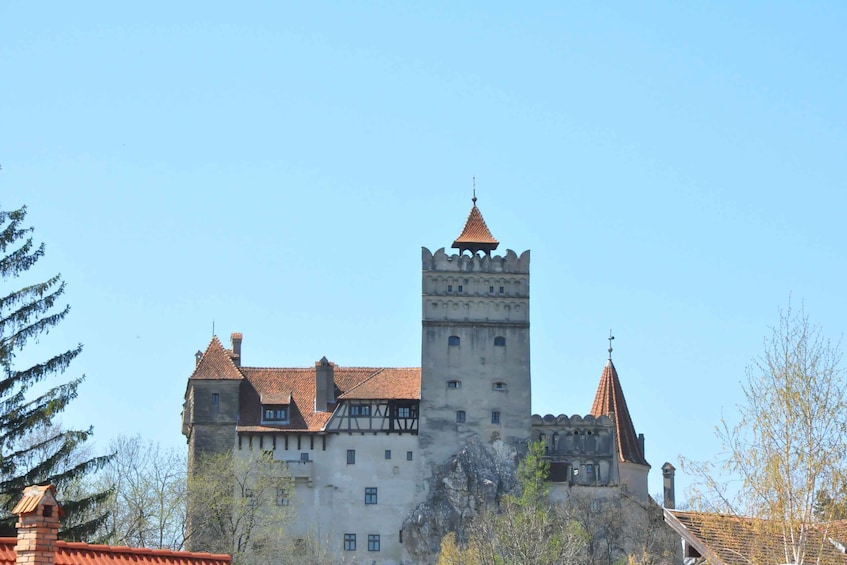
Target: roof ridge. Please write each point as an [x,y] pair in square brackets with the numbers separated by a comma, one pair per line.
[363,381]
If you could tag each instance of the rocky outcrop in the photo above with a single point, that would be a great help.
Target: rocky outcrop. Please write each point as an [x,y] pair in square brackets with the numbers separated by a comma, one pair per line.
[469,481]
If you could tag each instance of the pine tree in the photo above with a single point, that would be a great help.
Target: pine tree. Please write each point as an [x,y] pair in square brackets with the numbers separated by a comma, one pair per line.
[33,450]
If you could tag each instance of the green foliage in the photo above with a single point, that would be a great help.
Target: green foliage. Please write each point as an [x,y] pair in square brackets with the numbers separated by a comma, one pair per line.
[32,449]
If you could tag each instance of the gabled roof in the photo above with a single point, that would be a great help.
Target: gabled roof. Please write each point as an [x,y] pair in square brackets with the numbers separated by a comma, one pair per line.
[216,364]
[33,496]
[610,401]
[724,539]
[74,553]
[475,237]
[375,383]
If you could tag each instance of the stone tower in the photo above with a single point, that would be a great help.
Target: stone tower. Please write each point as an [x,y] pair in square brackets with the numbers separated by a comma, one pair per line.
[475,374]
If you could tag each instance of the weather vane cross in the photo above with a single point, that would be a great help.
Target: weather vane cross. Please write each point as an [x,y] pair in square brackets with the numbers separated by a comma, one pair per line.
[611,337]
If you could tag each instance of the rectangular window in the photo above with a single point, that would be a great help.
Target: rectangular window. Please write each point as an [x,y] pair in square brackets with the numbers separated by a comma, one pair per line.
[460,416]
[388,454]
[304,456]
[495,417]
[349,542]
[460,288]
[370,495]
[502,290]
[491,289]
[409,455]
[373,542]
[281,496]
[216,399]
[274,414]
[454,384]
[403,411]
[449,288]
[589,469]
[360,410]
[351,456]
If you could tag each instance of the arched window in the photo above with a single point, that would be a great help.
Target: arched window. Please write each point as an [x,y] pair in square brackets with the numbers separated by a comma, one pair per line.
[453,340]
[499,341]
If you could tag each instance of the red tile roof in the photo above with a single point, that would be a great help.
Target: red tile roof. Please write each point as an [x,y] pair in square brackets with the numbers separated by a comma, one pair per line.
[216,364]
[350,383]
[735,540]
[32,497]
[73,553]
[610,401]
[475,237]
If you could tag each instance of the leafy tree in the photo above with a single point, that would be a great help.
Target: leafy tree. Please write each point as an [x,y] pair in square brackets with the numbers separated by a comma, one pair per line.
[239,504]
[32,450]
[789,447]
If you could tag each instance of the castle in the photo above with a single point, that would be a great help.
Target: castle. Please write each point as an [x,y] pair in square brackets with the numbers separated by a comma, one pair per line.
[364,446]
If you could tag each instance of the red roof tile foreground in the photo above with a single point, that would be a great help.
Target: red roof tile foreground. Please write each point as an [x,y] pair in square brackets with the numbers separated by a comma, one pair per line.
[350,383]
[610,401]
[720,539]
[476,236]
[73,553]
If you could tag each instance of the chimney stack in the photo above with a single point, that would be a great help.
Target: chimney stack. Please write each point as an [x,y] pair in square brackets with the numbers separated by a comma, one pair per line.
[236,348]
[324,385]
[668,483]
[38,526]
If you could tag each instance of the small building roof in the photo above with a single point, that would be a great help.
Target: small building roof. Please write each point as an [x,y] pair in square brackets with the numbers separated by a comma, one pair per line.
[610,401]
[476,236]
[76,553]
[724,539]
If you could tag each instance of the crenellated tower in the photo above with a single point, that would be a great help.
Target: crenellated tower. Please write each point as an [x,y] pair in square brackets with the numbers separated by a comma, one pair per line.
[475,370]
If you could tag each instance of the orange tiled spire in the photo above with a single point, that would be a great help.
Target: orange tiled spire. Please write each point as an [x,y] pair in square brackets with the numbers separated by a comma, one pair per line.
[609,401]
[475,237]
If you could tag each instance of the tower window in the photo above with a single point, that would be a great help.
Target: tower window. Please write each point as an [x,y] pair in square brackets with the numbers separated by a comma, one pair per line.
[216,399]
[460,416]
[491,290]
[453,340]
[502,290]
[351,456]
[454,384]
[500,341]
[449,288]
[460,289]
[410,455]
[495,417]
[500,387]
[388,454]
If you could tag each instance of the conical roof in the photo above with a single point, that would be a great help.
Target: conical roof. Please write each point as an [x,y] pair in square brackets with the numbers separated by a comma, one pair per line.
[610,401]
[475,237]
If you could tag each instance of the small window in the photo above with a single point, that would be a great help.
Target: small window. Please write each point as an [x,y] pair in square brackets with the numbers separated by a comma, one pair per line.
[404,411]
[589,469]
[274,414]
[495,417]
[502,290]
[388,454]
[409,455]
[351,456]
[491,290]
[499,341]
[449,288]
[349,542]
[304,457]
[216,399]
[454,384]
[401,536]
[373,542]
[453,340]
[460,289]
[460,416]
[500,387]
[360,409]
[370,495]
[281,496]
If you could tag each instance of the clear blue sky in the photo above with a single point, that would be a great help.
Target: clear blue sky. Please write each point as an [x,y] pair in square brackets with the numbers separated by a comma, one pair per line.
[677,169]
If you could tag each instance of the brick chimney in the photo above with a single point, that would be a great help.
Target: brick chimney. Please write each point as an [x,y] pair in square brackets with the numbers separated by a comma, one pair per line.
[324,385]
[236,348]
[38,526]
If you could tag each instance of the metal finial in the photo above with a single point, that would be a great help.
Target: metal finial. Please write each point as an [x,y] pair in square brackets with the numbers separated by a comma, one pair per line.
[474,192]
[611,337]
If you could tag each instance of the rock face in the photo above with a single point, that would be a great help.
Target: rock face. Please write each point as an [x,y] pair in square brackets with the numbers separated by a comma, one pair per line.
[469,481]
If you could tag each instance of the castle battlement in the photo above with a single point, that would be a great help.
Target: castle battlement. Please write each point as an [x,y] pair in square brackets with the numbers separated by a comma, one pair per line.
[508,263]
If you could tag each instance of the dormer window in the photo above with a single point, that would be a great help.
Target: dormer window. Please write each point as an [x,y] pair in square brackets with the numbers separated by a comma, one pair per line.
[274,414]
